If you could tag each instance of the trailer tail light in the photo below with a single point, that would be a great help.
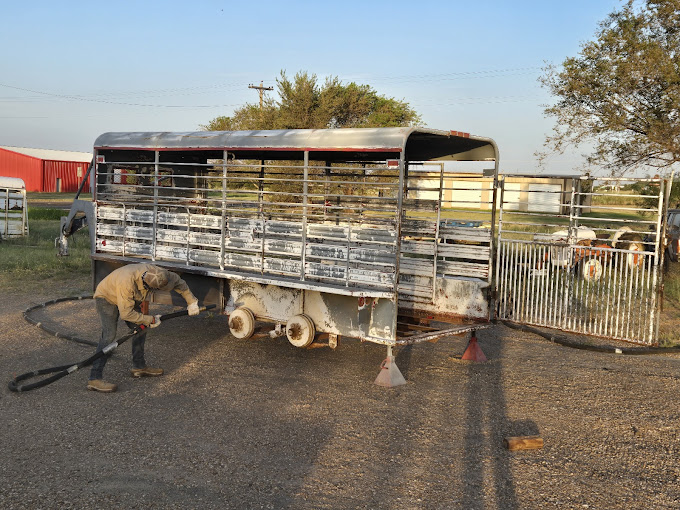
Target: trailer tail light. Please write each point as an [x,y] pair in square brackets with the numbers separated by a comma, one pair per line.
[460,133]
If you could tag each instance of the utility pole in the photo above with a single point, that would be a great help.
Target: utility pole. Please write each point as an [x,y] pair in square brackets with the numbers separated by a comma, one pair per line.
[261,88]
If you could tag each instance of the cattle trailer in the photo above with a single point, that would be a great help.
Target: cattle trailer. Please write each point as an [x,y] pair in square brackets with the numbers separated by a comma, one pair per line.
[367,233]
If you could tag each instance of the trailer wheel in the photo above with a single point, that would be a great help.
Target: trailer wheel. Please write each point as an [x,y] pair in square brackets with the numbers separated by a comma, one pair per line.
[300,331]
[241,323]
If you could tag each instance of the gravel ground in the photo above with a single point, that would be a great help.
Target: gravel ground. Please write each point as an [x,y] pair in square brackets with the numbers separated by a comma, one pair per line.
[260,424]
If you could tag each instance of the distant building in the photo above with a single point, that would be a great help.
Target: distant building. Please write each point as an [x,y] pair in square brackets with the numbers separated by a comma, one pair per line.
[45,169]
[523,193]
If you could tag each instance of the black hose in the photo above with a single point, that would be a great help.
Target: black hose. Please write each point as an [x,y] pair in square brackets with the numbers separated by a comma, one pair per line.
[52,331]
[597,348]
[64,370]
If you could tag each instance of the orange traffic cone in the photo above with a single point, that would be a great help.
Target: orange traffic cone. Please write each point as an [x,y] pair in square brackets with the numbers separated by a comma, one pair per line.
[474,352]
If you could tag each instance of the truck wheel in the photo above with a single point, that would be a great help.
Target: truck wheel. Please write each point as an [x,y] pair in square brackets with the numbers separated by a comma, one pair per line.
[241,323]
[300,331]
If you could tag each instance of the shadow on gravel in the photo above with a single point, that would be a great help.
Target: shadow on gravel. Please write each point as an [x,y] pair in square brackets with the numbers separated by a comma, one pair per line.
[486,425]
[260,424]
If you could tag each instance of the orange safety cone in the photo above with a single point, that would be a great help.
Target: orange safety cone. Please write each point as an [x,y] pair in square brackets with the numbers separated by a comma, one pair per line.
[474,352]
[390,375]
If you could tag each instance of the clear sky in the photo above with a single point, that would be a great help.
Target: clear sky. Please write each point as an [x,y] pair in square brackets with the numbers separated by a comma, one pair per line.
[70,70]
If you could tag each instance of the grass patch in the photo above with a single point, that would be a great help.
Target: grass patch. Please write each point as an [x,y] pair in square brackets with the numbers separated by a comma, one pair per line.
[34,258]
[43,213]
[66,198]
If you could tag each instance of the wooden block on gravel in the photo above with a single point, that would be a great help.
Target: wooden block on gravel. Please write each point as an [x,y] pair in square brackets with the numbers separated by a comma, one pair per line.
[523,443]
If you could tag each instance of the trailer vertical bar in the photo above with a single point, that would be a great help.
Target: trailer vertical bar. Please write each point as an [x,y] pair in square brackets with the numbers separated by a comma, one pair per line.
[223,221]
[305,203]
[155,203]
[436,233]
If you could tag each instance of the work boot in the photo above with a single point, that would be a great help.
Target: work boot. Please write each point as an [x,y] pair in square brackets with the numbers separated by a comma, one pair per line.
[101,385]
[148,372]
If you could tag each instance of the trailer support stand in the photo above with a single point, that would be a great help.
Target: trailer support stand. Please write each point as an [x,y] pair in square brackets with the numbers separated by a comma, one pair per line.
[389,375]
[474,352]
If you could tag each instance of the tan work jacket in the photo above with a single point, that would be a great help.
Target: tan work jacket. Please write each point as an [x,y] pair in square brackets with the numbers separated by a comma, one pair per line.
[124,288]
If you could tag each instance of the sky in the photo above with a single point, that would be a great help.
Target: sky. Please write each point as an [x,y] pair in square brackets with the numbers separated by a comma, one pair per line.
[70,71]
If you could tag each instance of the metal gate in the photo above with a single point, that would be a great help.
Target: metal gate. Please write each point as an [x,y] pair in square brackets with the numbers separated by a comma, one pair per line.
[592,268]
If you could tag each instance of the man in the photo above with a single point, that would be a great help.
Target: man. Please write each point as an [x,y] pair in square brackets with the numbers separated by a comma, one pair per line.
[120,294]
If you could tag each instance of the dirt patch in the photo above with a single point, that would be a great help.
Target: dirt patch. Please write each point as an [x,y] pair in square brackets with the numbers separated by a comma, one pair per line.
[261,424]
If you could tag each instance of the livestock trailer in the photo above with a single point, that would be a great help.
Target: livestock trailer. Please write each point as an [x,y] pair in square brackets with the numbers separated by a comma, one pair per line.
[13,215]
[329,233]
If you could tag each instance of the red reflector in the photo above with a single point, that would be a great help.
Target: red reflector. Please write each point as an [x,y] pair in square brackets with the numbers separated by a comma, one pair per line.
[460,133]
[100,159]
[392,163]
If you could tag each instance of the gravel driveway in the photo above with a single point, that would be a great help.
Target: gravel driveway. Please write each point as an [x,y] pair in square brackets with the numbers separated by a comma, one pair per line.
[261,424]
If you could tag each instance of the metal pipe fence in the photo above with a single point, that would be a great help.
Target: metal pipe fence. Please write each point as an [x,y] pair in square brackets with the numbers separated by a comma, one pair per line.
[593,268]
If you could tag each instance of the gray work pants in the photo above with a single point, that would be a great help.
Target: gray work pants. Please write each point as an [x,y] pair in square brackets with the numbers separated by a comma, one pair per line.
[109,315]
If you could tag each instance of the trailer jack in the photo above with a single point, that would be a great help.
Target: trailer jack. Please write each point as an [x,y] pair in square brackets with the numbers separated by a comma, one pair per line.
[390,375]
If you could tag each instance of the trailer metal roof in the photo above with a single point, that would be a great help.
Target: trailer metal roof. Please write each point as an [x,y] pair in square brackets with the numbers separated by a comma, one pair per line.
[417,143]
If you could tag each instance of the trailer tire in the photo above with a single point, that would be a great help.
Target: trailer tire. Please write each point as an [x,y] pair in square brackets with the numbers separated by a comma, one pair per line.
[300,331]
[242,323]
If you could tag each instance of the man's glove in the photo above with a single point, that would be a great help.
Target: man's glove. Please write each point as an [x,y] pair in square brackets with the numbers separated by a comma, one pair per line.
[156,321]
[193,308]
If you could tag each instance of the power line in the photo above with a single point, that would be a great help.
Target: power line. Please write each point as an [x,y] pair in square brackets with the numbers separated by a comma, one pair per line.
[119,103]
[110,98]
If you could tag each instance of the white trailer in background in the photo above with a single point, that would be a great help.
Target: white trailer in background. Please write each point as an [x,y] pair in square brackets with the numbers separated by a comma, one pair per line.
[14,208]
[320,233]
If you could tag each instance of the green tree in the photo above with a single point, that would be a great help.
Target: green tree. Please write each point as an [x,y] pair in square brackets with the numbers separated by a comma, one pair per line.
[649,192]
[622,92]
[303,103]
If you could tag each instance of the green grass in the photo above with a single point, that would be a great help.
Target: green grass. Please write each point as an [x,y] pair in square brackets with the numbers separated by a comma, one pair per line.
[66,198]
[34,258]
[43,213]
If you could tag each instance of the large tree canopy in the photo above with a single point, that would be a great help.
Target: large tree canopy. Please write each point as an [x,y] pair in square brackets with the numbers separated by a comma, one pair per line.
[303,103]
[622,92]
